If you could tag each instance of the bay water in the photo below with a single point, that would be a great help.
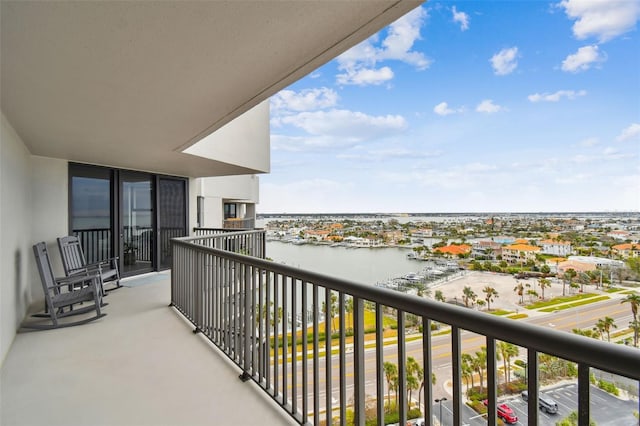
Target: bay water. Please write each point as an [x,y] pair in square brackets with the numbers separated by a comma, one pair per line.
[362,265]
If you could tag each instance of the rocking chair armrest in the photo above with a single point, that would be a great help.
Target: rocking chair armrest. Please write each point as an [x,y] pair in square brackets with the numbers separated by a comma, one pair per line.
[102,263]
[75,279]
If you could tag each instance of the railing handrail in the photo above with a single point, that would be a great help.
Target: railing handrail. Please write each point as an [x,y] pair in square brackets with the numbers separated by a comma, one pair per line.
[613,358]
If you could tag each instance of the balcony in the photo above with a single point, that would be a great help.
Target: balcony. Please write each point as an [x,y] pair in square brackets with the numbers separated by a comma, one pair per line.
[142,365]
[239,223]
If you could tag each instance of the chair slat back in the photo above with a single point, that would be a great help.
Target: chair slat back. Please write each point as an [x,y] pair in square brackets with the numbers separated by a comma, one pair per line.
[73,258]
[44,268]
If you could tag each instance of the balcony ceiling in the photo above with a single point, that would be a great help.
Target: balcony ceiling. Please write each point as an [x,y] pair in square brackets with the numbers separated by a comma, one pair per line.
[132,84]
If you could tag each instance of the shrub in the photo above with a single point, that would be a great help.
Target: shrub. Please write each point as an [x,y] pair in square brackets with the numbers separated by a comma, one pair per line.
[608,387]
[475,394]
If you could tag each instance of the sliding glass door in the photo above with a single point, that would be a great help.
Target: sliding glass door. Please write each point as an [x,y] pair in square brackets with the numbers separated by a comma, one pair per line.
[136,222]
[129,214]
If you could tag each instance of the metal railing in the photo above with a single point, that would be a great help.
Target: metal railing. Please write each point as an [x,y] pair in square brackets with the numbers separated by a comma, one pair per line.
[96,243]
[271,320]
[239,223]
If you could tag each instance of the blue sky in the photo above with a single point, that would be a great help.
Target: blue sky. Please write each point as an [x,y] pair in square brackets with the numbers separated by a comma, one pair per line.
[469,106]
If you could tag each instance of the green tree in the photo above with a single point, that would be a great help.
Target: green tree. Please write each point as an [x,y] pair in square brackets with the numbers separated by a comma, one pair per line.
[569,275]
[348,308]
[391,374]
[634,300]
[467,368]
[604,326]
[507,351]
[572,420]
[479,364]
[490,294]
[519,289]
[543,283]
[332,310]
[635,327]
[439,296]
[414,375]
[468,295]
[588,332]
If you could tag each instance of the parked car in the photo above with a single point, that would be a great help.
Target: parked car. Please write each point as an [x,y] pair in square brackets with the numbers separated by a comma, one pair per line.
[505,412]
[546,403]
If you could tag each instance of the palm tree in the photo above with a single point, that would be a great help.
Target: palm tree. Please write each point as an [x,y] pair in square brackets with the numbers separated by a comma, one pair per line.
[604,326]
[569,275]
[543,283]
[490,293]
[348,308]
[635,326]
[468,295]
[507,351]
[519,289]
[391,374]
[439,296]
[331,311]
[433,382]
[467,366]
[589,332]
[414,375]
[634,300]
[479,363]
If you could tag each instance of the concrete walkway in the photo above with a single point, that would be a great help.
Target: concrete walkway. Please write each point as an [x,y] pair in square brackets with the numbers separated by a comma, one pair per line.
[139,365]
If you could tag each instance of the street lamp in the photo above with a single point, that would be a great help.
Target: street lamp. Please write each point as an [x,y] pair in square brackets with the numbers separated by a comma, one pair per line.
[439,401]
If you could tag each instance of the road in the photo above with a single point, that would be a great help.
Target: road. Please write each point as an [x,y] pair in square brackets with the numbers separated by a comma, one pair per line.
[565,320]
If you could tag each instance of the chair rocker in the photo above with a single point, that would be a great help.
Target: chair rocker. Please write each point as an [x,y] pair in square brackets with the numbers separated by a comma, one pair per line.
[75,263]
[58,302]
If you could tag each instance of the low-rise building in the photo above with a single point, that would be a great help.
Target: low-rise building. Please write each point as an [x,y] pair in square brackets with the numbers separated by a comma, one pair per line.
[486,249]
[626,250]
[557,248]
[519,253]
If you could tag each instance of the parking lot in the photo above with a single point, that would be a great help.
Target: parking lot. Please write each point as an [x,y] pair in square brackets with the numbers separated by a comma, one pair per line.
[606,409]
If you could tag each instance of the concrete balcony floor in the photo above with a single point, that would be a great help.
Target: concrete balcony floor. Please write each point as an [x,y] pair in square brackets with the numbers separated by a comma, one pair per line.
[139,365]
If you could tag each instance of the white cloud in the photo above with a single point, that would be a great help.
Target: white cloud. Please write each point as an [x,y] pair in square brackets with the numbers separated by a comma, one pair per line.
[555,97]
[460,17]
[388,154]
[358,64]
[487,106]
[304,100]
[603,19]
[443,109]
[350,125]
[505,61]
[365,76]
[583,59]
[631,132]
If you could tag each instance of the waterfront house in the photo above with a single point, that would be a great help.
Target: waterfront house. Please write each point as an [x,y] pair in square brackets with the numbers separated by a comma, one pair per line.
[453,250]
[519,253]
[486,249]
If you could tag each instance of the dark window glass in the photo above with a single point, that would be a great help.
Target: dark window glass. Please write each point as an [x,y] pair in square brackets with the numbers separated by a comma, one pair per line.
[172,199]
[90,210]
[229,211]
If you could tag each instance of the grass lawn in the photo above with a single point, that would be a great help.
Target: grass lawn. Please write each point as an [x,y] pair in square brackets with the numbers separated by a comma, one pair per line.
[558,300]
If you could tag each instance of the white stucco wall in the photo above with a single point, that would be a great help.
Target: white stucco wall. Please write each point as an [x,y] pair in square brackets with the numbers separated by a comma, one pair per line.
[218,190]
[33,207]
[15,213]
[245,141]
[50,219]
[245,187]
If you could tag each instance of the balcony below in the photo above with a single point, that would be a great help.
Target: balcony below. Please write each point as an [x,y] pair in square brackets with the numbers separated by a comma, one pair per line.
[139,365]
